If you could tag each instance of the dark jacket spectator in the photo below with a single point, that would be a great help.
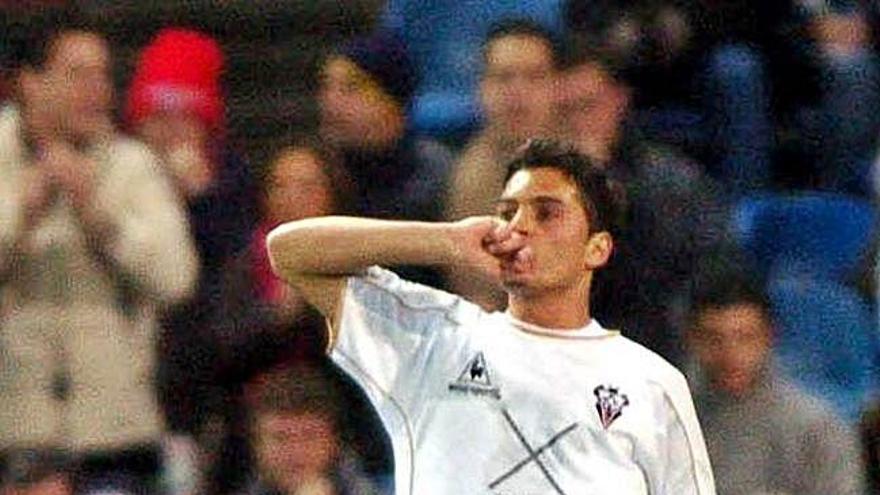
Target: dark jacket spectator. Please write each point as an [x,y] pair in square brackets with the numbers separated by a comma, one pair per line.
[364,92]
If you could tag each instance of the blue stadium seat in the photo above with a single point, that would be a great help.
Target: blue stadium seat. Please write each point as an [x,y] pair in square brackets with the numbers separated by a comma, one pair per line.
[820,234]
[826,340]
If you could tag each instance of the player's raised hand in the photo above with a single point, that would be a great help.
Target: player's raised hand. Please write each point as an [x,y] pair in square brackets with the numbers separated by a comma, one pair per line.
[503,241]
[482,243]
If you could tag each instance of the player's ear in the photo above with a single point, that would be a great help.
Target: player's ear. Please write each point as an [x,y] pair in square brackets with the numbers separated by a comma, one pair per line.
[598,250]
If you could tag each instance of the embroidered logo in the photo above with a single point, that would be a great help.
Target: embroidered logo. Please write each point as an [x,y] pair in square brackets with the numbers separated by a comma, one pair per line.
[609,404]
[475,379]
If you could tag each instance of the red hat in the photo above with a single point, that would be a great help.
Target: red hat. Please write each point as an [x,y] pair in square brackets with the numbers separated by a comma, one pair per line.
[179,71]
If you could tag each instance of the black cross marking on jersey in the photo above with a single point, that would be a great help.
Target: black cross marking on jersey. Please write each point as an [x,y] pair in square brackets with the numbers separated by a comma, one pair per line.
[533,453]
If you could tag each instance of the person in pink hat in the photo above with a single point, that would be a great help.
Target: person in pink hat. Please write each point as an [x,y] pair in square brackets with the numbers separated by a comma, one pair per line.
[175,103]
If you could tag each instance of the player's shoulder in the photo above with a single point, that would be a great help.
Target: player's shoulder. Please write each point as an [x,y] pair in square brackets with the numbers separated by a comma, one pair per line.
[647,366]
[381,288]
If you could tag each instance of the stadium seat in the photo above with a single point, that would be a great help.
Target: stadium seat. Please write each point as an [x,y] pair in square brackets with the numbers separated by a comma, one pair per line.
[819,234]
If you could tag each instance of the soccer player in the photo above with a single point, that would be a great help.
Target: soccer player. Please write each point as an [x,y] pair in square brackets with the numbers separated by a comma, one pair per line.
[538,399]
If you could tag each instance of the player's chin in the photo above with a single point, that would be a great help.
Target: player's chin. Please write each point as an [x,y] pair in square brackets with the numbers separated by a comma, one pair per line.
[515,281]
[515,288]
[509,273]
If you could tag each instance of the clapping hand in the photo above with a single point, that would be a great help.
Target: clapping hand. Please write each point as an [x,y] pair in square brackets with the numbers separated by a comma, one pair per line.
[68,169]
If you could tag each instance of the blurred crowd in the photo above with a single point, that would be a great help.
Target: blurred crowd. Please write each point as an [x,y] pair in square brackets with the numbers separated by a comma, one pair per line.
[147,348]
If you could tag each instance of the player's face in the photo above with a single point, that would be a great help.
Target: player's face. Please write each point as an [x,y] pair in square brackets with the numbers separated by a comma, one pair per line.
[732,344]
[544,206]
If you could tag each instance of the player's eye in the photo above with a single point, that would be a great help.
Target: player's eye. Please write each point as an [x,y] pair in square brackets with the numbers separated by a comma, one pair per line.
[545,211]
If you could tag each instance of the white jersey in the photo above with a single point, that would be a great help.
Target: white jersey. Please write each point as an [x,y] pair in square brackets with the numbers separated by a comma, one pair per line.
[480,403]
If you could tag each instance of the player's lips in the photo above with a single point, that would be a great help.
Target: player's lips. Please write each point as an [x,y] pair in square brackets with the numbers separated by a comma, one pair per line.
[519,261]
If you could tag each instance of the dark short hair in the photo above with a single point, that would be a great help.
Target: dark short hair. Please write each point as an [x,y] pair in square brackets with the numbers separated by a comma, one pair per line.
[726,287]
[603,198]
[30,35]
[526,28]
[383,55]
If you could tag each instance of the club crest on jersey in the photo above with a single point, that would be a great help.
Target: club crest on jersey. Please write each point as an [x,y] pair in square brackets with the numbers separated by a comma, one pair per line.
[475,379]
[609,403]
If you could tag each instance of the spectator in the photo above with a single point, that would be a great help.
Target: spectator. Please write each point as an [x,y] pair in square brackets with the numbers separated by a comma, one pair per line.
[517,94]
[93,244]
[258,322]
[296,425]
[777,94]
[834,134]
[303,181]
[764,435]
[676,214]
[699,75]
[364,91]
[175,104]
[446,39]
[365,87]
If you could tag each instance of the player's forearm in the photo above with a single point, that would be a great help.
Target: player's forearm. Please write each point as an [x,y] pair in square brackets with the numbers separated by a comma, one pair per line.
[345,245]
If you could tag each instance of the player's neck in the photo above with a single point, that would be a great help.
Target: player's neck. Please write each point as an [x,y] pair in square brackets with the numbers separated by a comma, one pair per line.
[568,309]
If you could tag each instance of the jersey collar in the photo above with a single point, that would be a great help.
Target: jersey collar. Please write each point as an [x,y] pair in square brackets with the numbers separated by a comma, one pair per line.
[592,329]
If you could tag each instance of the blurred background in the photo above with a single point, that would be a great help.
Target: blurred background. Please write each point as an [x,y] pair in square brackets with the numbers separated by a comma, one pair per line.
[147,147]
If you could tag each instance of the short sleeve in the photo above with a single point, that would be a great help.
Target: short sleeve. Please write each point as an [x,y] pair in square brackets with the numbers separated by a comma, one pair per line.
[11,188]
[10,211]
[679,463]
[390,329]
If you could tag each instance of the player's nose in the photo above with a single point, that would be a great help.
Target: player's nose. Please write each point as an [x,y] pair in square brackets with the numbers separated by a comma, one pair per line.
[521,222]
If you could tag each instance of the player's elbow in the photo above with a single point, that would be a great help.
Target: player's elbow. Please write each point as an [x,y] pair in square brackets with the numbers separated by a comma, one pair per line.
[282,250]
